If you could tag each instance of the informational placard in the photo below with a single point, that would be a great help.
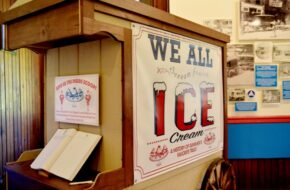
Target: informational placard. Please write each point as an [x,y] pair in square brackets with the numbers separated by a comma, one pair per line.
[266,75]
[178,101]
[77,99]
[246,106]
[286,89]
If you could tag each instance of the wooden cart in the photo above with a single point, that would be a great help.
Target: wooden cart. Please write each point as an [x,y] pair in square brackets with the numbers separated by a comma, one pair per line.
[68,32]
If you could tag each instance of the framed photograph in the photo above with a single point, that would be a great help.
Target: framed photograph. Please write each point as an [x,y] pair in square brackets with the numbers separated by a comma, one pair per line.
[271,96]
[263,52]
[267,19]
[281,52]
[236,94]
[240,65]
[221,25]
[284,70]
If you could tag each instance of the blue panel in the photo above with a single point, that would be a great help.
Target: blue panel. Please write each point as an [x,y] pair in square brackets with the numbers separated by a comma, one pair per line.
[266,75]
[266,140]
[246,106]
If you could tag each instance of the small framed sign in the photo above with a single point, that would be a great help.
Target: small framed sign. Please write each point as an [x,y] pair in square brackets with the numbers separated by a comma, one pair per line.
[77,99]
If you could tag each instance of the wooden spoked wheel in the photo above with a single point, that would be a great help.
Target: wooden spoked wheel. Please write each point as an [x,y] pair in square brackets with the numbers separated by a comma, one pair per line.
[220,175]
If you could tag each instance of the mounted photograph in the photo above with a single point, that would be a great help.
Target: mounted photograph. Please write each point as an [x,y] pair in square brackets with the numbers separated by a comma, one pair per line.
[263,52]
[236,94]
[271,96]
[284,70]
[221,25]
[240,65]
[265,19]
[281,52]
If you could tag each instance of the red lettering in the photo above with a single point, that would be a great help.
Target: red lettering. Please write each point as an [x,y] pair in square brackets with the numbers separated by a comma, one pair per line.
[205,106]
[179,107]
[159,100]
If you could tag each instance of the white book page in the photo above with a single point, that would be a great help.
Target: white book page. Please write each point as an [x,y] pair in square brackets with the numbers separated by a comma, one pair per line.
[75,154]
[53,149]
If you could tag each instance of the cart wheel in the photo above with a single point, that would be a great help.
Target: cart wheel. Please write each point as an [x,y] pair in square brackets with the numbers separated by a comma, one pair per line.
[220,175]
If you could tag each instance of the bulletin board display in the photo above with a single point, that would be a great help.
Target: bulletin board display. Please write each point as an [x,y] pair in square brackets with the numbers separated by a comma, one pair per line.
[258,70]
[178,101]
[258,76]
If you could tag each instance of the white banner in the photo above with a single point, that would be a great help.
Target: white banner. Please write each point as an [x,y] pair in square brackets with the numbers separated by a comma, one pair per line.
[178,101]
[77,99]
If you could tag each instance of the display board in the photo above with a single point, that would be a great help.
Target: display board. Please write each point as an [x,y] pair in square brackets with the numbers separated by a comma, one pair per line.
[260,69]
[178,101]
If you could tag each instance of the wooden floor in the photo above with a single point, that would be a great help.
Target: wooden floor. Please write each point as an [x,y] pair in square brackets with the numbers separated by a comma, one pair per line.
[262,174]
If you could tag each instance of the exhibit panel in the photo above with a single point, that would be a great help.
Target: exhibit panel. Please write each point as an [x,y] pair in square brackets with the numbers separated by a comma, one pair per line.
[97,39]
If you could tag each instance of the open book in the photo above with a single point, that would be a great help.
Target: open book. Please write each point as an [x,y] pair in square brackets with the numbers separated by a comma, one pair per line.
[66,152]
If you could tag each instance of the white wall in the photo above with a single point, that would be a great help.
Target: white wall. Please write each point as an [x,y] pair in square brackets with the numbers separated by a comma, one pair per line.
[199,10]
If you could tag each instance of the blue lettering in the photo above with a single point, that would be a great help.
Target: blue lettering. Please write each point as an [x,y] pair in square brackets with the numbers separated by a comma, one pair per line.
[191,55]
[174,51]
[158,46]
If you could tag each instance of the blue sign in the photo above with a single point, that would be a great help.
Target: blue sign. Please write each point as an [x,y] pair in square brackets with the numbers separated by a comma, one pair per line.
[246,106]
[286,89]
[266,75]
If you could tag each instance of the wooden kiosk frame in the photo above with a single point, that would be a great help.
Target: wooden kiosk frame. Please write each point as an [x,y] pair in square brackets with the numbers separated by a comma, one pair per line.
[43,24]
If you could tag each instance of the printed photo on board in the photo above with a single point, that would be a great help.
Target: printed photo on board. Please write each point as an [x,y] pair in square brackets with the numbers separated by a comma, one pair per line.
[263,52]
[284,70]
[236,94]
[267,19]
[281,52]
[221,25]
[271,96]
[240,64]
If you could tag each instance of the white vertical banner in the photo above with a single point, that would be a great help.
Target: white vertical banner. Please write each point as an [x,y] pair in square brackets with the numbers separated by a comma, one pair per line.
[178,101]
[77,99]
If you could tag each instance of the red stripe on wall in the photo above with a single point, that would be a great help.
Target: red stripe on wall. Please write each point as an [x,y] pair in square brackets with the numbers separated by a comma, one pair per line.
[271,119]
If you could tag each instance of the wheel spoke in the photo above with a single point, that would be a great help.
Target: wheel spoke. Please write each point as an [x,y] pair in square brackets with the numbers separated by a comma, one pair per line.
[225,177]
[217,174]
[221,175]
[213,187]
[228,183]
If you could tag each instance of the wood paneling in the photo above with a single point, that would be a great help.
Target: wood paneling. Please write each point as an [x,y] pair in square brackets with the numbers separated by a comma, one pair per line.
[163,5]
[20,102]
[262,174]
[103,57]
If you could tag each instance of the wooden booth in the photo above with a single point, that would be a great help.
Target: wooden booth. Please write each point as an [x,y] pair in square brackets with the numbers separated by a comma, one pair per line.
[80,37]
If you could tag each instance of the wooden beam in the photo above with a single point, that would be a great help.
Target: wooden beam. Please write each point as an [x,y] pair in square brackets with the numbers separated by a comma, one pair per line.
[47,26]
[163,5]
[18,3]
[130,10]
[28,8]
